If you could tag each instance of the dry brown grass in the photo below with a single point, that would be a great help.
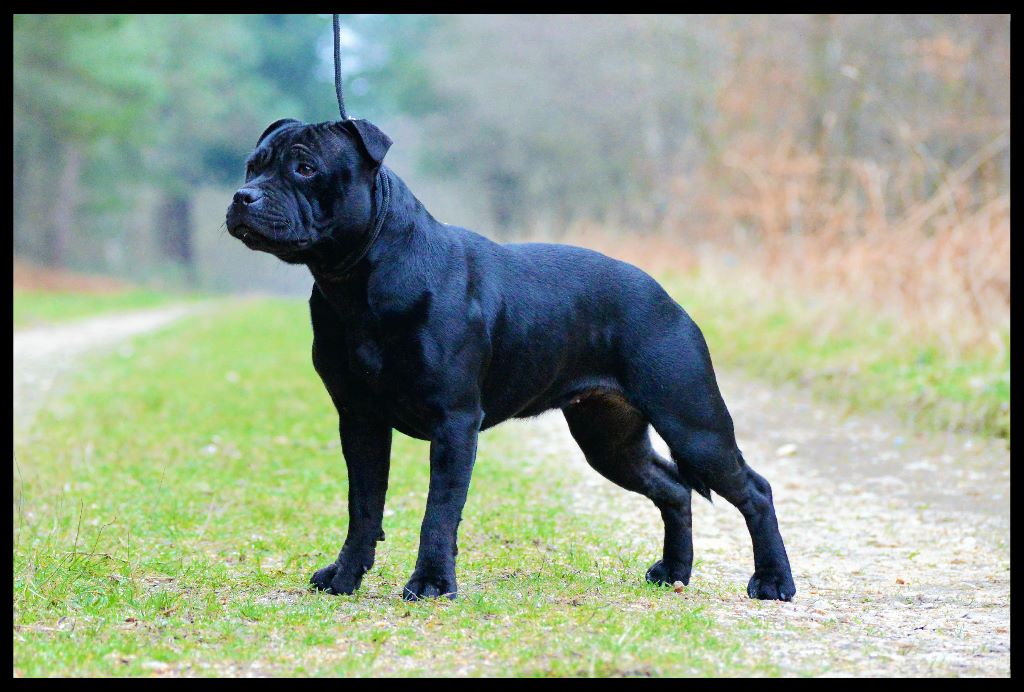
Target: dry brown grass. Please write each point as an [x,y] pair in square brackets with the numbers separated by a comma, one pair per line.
[856,234]
[28,276]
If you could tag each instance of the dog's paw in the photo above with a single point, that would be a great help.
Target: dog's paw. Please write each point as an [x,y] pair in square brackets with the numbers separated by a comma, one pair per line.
[429,586]
[321,579]
[336,580]
[775,584]
[663,575]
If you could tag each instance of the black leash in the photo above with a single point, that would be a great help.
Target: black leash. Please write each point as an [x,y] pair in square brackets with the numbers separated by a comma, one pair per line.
[383,180]
[337,68]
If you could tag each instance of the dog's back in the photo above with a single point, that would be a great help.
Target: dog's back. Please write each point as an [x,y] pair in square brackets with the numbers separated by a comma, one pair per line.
[562,320]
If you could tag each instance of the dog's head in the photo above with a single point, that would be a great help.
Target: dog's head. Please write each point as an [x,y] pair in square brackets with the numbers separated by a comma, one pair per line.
[308,193]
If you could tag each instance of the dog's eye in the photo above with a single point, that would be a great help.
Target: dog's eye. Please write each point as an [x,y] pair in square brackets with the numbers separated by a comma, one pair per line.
[305,170]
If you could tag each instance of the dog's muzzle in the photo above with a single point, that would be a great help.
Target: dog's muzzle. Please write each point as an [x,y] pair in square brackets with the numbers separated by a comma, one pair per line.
[248,221]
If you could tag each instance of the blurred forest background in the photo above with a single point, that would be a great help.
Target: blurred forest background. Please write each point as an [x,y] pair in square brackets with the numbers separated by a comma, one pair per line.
[861,157]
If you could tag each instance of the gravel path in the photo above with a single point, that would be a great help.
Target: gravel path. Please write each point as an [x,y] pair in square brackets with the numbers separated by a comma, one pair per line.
[899,542]
[43,354]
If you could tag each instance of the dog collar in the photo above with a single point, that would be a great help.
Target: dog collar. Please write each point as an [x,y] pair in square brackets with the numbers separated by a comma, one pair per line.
[345,269]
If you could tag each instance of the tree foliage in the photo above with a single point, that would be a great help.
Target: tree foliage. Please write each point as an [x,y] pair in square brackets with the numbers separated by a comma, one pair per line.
[630,121]
[159,103]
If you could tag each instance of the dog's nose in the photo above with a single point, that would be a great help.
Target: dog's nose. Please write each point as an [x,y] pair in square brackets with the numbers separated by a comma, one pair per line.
[247,196]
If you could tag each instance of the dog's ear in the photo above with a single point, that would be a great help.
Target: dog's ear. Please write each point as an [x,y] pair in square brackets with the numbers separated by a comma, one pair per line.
[375,142]
[277,124]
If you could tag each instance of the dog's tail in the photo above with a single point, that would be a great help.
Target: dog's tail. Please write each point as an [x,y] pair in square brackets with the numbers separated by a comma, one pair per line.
[694,478]
[689,478]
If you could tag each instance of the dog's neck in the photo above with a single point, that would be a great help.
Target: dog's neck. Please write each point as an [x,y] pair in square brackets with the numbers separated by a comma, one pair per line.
[394,222]
[339,271]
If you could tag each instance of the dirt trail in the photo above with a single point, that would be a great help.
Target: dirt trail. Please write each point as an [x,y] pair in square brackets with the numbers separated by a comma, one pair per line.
[43,354]
[899,542]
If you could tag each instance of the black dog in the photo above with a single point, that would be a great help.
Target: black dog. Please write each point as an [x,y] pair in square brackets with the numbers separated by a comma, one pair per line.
[440,333]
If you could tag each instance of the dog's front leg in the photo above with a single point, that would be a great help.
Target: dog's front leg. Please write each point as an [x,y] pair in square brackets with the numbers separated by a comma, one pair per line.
[366,445]
[452,452]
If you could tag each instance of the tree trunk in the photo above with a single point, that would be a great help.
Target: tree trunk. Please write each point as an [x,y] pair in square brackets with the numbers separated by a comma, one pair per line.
[64,206]
[175,228]
[819,80]
[21,159]
[505,195]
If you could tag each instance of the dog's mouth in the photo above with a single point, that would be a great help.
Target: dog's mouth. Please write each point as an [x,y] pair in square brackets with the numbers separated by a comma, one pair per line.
[254,240]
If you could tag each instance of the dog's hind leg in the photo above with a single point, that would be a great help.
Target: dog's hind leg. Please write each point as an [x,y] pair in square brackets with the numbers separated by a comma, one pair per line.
[614,438]
[681,397]
[711,458]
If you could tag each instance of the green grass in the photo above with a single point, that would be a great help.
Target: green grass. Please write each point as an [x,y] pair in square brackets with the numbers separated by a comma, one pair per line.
[169,510]
[32,307]
[852,357]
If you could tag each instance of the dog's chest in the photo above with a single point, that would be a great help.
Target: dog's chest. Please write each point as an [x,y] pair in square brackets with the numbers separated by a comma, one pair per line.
[389,375]
[366,361]
[382,359]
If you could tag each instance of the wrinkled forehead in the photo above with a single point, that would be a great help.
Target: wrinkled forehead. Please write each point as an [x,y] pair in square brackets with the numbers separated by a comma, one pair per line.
[320,138]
